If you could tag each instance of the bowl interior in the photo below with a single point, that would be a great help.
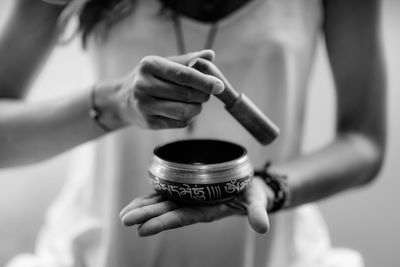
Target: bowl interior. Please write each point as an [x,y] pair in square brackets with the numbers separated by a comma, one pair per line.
[200,151]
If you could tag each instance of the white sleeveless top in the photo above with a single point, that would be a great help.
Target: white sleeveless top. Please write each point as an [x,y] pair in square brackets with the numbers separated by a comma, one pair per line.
[265,50]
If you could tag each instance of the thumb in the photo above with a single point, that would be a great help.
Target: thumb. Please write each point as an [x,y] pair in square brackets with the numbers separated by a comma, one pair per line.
[258,217]
[185,59]
[257,206]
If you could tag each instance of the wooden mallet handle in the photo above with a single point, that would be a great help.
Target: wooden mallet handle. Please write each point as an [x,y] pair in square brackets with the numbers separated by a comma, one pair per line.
[241,107]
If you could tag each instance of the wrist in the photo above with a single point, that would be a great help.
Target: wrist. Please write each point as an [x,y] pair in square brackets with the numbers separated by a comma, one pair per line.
[105,109]
[277,184]
[270,195]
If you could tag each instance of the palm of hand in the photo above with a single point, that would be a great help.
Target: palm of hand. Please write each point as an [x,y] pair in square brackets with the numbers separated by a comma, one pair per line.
[155,214]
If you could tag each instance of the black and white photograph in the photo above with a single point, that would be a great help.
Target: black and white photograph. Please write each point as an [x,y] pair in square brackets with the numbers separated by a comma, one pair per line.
[199,133]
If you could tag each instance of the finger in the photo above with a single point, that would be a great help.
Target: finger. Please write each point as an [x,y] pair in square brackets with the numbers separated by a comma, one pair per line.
[177,73]
[237,205]
[206,67]
[207,54]
[158,123]
[257,206]
[169,109]
[140,202]
[173,219]
[142,214]
[258,217]
[182,217]
[209,68]
[161,89]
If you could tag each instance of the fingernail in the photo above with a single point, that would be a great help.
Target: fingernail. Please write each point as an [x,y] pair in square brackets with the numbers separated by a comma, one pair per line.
[192,62]
[122,213]
[124,221]
[218,87]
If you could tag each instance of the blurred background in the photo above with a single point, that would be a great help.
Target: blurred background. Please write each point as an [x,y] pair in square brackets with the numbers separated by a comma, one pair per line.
[366,219]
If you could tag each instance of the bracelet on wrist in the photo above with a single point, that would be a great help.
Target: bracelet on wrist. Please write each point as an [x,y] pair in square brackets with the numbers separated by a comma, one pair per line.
[279,185]
[95,112]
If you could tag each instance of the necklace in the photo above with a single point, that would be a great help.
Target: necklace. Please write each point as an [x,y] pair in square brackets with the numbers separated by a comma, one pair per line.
[181,47]
[180,42]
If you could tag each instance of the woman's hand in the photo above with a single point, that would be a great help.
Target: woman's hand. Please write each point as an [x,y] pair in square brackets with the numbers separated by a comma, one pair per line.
[155,214]
[160,93]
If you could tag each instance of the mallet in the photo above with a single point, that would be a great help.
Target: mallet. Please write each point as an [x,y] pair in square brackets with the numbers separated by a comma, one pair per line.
[240,106]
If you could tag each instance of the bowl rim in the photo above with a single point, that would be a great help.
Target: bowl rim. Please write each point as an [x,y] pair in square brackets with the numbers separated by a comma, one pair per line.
[237,168]
[242,156]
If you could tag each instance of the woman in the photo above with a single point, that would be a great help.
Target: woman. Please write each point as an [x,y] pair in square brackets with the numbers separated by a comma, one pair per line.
[264,48]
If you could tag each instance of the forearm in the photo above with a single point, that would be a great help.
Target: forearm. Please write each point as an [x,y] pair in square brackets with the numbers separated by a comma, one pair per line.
[32,132]
[351,160]
[27,38]
[355,55]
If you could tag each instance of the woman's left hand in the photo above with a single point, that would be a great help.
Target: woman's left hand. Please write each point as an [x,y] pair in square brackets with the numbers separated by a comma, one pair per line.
[155,214]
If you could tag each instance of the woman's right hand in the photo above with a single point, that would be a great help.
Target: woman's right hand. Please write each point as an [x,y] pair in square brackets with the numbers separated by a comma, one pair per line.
[160,93]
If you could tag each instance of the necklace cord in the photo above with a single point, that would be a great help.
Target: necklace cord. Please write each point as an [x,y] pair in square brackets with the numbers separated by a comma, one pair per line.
[180,42]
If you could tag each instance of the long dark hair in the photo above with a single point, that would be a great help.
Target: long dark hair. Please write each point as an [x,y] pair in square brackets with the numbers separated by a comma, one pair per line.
[102,15]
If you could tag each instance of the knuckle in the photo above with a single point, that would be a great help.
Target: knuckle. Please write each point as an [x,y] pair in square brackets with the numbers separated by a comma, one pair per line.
[145,212]
[140,85]
[162,225]
[179,217]
[180,113]
[186,114]
[188,111]
[186,95]
[182,76]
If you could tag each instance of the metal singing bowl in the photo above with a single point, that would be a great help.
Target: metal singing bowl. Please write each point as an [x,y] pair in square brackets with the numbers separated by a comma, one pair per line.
[200,171]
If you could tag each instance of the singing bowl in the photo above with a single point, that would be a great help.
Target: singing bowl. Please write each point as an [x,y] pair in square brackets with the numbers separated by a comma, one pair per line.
[200,171]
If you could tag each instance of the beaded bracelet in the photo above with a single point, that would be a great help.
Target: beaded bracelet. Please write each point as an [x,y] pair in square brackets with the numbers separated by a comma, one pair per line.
[278,184]
[95,112]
